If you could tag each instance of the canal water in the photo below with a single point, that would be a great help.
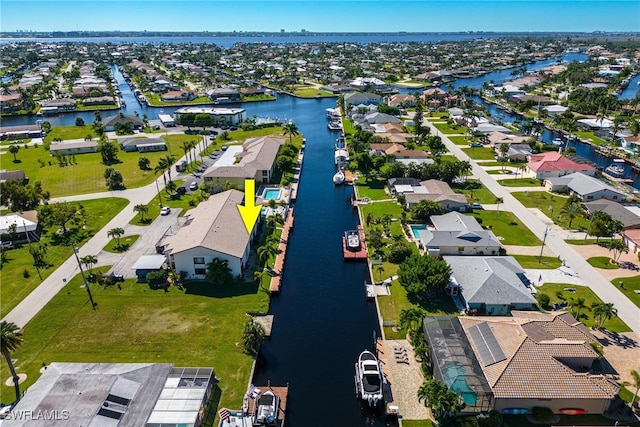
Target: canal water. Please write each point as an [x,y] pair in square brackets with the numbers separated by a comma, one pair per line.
[322,319]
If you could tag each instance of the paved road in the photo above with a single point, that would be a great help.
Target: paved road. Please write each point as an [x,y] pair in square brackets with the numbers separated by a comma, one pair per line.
[627,311]
[40,296]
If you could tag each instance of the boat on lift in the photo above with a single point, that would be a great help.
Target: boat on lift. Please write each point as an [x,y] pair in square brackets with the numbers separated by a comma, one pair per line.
[369,380]
[338,177]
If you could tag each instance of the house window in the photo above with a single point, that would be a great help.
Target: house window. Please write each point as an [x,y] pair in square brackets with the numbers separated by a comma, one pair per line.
[460,248]
[265,173]
[200,271]
[198,260]
[589,197]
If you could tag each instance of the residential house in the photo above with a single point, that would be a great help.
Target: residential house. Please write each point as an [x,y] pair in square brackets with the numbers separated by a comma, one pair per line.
[381,118]
[402,100]
[214,229]
[458,234]
[517,152]
[356,98]
[628,215]
[72,148]
[231,116]
[22,131]
[255,159]
[492,285]
[498,138]
[595,123]
[60,104]
[111,394]
[528,360]
[554,110]
[384,149]
[437,191]
[178,95]
[20,227]
[18,176]
[99,100]
[554,164]
[251,91]
[224,95]
[10,102]
[142,145]
[368,83]
[586,187]
[109,123]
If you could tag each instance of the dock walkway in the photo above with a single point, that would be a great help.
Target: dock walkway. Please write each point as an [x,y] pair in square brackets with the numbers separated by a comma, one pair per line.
[276,281]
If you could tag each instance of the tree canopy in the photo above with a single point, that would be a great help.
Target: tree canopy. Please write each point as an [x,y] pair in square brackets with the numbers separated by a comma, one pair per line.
[423,274]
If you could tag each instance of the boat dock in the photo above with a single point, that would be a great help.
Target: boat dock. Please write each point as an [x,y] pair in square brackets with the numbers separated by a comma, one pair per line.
[357,255]
[276,281]
[296,175]
[381,354]
[245,417]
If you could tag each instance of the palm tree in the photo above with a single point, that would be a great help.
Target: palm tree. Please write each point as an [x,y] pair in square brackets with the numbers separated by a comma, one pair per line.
[618,247]
[577,305]
[10,340]
[89,261]
[162,167]
[290,129]
[186,147]
[411,318]
[253,337]
[636,383]
[498,201]
[171,187]
[218,271]
[13,149]
[168,160]
[142,210]
[116,233]
[572,210]
[266,251]
[603,311]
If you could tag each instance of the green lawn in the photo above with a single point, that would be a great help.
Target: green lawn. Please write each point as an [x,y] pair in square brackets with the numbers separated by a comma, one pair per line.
[583,242]
[531,261]
[450,129]
[179,201]
[70,132]
[631,288]
[480,153]
[373,189]
[551,205]
[154,99]
[311,92]
[592,137]
[519,182]
[497,163]
[475,191]
[392,305]
[557,294]
[198,326]
[500,172]
[603,262]
[125,243]
[508,226]
[258,98]
[15,287]
[460,140]
[379,209]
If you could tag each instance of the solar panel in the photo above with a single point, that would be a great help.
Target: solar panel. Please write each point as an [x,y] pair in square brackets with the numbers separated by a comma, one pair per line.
[110,414]
[488,348]
[117,399]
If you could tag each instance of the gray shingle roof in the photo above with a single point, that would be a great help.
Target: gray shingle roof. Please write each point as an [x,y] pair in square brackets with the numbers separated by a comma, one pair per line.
[257,154]
[490,280]
[582,184]
[616,210]
[455,221]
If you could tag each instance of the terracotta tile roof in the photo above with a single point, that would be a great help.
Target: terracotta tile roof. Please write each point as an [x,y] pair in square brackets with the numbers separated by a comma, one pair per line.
[541,349]
[555,161]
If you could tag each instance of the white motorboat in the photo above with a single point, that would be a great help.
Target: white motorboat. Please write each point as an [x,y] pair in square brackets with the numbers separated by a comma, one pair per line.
[267,408]
[338,177]
[352,240]
[334,125]
[558,142]
[616,169]
[369,379]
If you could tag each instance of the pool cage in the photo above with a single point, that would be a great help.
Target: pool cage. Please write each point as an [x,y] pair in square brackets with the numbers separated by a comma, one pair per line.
[454,363]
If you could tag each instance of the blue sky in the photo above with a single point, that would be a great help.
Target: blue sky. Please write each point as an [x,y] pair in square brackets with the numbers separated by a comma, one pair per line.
[329,16]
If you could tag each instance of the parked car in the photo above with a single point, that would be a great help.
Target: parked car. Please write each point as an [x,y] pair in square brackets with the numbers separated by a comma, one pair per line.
[181,190]
[224,147]
[165,210]
[193,186]
[476,206]
[476,144]
[7,245]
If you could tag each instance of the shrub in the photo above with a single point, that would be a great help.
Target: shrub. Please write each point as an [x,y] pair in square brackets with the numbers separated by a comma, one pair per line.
[543,299]
[494,419]
[25,273]
[157,277]
[542,413]
[399,252]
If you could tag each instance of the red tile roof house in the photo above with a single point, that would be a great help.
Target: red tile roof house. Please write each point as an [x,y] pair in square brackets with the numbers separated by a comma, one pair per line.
[553,164]
[178,95]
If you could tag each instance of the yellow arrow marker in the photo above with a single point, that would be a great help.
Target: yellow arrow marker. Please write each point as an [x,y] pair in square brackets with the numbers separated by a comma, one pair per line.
[249,211]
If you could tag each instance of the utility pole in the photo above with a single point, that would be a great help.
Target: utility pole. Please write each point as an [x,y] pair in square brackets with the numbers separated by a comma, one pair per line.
[84,280]
[544,239]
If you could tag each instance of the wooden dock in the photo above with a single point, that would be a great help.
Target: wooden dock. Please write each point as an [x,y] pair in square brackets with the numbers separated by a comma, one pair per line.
[282,393]
[296,175]
[245,418]
[276,281]
[357,255]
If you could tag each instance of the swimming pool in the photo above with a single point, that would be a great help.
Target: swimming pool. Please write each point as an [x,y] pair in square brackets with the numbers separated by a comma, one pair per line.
[454,378]
[415,229]
[271,194]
